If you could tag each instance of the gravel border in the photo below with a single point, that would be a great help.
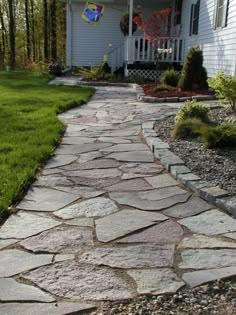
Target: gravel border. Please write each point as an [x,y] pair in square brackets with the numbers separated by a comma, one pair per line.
[176,166]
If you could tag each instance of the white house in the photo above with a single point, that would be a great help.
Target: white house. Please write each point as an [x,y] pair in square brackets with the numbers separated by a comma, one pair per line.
[209,24]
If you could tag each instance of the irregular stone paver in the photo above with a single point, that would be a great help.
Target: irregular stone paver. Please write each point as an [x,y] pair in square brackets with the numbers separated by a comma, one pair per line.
[78,140]
[133,156]
[60,160]
[22,225]
[11,290]
[81,191]
[192,207]
[124,222]
[151,200]
[196,278]
[212,222]
[133,256]
[96,207]
[63,257]
[44,199]
[82,148]
[7,242]
[98,183]
[95,173]
[208,258]
[60,240]
[85,157]
[142,168]
[130,185]
[156,281]
[96,164]
[163,233]
[53,180]
[71,279]
[230,235]
[43,309]
[86,222]
[14,261]
[162,181]
[126,147]
[114,140]
[202,241]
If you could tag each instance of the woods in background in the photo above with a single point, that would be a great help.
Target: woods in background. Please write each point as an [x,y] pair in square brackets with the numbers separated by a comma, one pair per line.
[32,32]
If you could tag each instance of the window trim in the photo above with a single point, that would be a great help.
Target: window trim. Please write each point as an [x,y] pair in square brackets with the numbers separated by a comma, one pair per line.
[195,9]
[178,12]
[225,14]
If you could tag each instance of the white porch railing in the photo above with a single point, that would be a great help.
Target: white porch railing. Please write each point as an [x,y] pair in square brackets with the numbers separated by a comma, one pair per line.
[139,49]
[115,58]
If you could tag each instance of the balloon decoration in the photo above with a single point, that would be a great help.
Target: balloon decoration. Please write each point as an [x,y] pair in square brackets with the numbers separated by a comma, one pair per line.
[93,13]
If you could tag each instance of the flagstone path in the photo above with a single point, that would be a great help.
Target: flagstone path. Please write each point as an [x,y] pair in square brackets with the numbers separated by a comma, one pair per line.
[104,221]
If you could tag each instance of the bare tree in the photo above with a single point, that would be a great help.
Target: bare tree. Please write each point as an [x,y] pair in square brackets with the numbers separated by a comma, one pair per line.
[12,34]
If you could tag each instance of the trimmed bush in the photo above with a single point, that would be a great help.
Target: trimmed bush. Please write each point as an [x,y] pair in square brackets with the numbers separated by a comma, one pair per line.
[94,73]
[225,87]
[163,88]
[194,75]
[219,136]
[169,77]
[189,128]
[192,109]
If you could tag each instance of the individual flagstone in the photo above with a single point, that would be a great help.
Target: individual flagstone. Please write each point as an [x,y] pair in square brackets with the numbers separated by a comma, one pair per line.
[212,222]
[141,168]
[130,185]
[11,290]
[61,308]
[156,199]
[200,277]
[78,140]
[23,224]
[192,207]
[208,258]
[132,256]
[44,199]
[96,207]
[95,173]
[7,242]
[60,240]
[133,156]
[71,279]
[167,232]
[114,140]
[124,222]
[98,183]
[230,235]
[82,148]
[96,164]
[14,261]
[162,181]
[86,222]
[60,160]
[63,257]
[202,241]
[156,281]
[90,156]
[126,147]
[53,180]
[81,191]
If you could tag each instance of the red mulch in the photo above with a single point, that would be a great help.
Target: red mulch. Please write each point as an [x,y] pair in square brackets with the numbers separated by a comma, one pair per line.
[148,92]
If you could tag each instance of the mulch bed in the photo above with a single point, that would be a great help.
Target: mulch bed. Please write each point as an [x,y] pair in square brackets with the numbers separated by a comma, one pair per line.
[148,92]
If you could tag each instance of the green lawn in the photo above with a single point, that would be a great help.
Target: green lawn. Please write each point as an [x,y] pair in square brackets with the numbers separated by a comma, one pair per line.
[29,128]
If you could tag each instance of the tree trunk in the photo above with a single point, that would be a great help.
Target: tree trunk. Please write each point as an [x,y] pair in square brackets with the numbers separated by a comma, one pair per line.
[27,24]
[53,16]
[46,50]
[33,29]
[12,34]
[3,39]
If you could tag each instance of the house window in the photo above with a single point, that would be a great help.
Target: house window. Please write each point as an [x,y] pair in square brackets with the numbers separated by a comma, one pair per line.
[194,18]
[178,12]
[221,13]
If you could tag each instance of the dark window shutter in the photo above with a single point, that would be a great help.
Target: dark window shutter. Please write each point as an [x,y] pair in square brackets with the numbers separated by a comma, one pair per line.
[178,11]
[226,13]
[191,20]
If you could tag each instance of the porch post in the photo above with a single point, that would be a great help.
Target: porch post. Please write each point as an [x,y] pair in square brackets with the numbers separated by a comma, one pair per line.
[131,9]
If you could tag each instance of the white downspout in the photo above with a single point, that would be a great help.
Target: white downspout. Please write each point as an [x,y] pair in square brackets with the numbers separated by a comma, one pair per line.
[128,43]
[131,10]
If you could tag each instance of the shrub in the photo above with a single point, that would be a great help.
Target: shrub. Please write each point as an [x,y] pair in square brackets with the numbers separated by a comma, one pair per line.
[136,78]
[194,75]
[219,136]
[169,77]
[192,109]
[225,87]
[189,128]
[94,73]
[105,67]
[56,68]
[163,88]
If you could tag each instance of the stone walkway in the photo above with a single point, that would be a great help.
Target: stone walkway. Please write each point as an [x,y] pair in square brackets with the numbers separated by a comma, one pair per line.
[104,221]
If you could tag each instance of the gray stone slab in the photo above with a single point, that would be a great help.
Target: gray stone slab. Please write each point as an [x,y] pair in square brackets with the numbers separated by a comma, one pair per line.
[85,157]
[168,158]
[78,140]
[7,242]
[53,180]
[81,191]
[212,222]
[142,168]
[60,160]
[156,281]
[95,164]
[202,241]
[179,169]
[208,258]
[98,183]
[73,280]
[132,256]
[134,156]
[82,148]
[62,239]
[196,185]
[63,257]
[14,261]
[22,225]
[96,207]
[11,290]
[211,193]
[156,199]
[114,140]
[126,147]
[167,232]
[130,185]
[230,235]
[44,309]
[124,222]
[162,181]
[192,207]
[185,178]
[197,278]
[95,173]
[44,199]
[156,143]
[228,204]
[86,222]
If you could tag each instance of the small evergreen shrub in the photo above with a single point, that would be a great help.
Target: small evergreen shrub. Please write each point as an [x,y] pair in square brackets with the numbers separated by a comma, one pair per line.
[192,109]
[56,68]
[189,128]
[225,87]
[219,136]
[194,75]
[163,88]
[105,67]
[169,77]
[93,73]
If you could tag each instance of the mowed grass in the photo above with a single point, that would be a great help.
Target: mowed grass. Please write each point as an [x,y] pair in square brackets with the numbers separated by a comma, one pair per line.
[29,128]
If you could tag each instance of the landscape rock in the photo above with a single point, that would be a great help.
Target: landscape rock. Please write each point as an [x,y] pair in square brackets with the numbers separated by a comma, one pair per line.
[162,181]
[132,156]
